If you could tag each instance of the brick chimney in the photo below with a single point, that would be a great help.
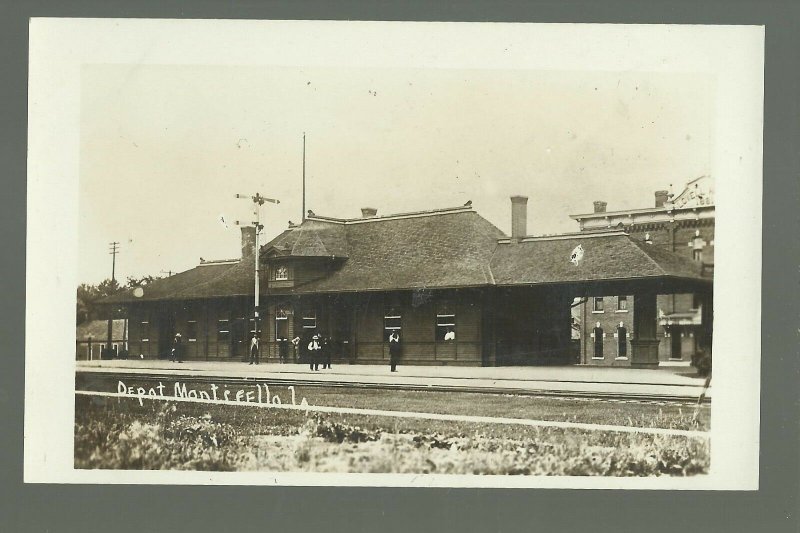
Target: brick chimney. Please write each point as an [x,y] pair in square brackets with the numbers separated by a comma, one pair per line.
[519,216]
[661,198]
[248,241]
[600,206]
[368,212]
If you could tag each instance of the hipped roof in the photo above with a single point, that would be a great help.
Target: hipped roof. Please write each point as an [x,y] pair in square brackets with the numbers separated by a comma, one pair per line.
[312,238]
[440,249]
[607,257]
[208,280]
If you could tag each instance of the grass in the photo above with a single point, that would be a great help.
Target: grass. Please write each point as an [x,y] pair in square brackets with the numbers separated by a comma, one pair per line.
[671,416]
[119,433]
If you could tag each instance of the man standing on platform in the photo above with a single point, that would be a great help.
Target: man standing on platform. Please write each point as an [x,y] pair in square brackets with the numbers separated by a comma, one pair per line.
[327,347]
[394,350]
[254,348]
[296,344]
[177,349]
[314,348]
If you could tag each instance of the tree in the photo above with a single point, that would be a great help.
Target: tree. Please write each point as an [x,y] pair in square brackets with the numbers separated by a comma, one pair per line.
[141,281]
[88,295]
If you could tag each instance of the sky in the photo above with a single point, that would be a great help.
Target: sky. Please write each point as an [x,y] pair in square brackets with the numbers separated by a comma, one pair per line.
[164,149]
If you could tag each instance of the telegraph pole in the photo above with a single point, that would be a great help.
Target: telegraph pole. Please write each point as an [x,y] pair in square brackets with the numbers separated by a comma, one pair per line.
[258,201]
[303,218]
[113,251]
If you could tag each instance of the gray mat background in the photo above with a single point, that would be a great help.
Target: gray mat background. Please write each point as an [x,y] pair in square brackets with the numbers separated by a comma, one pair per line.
[239,509]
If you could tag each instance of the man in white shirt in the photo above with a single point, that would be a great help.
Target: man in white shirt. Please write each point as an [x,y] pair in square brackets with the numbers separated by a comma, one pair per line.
[254,349]
[313,351]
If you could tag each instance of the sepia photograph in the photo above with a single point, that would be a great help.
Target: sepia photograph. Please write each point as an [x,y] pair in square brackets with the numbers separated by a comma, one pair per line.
[398,253]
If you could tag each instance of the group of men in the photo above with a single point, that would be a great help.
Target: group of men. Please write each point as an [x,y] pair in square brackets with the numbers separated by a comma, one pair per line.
[319,351]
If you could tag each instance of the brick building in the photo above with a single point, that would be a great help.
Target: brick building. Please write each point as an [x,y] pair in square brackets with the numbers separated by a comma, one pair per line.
[457,289]
[683,225]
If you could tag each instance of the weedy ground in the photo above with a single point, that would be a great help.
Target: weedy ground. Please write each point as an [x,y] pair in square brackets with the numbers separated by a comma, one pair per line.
[118,433]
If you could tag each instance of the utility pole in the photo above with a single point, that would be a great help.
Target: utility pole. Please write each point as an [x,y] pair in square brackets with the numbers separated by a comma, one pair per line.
[303,218]
[258,201]
[113,251]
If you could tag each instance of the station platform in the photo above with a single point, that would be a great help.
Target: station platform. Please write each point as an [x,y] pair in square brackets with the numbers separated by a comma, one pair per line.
[680,383]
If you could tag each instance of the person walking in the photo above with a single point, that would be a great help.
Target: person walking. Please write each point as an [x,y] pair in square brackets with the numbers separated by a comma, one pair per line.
[177,349]
[394,350]
[254,349]
[314,348]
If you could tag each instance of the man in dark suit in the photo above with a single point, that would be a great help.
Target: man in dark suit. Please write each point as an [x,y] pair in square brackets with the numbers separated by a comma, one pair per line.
[394,350]
[327,348]
[177,349]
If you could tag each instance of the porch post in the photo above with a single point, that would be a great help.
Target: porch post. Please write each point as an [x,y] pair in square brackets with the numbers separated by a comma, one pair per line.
[644,345]
[706,330]
[489,328]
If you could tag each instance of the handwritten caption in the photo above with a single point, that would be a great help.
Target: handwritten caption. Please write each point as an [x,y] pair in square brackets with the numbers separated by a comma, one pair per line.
[260,393]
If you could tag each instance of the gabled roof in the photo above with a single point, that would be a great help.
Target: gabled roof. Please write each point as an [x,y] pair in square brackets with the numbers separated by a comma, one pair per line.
[435,249]
[98,330]
[605,256]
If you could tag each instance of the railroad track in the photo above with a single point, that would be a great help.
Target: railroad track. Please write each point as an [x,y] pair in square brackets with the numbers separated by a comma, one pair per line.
[90,378]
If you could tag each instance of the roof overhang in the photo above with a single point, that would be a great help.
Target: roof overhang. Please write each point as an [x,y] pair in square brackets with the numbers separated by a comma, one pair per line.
[624,286]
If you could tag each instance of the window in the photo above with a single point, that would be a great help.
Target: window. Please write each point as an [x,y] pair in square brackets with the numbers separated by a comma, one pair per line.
[445,324]
[281,273]
[144,331]
[622,341]
[697,301]
[622,303]
[281,324]
[223,330]
[392,322]
[310,319]
[191,330]
[598,305]
[598,342]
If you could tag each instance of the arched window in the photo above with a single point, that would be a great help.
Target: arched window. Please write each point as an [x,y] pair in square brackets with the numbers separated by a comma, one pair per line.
[622,341]
[598,341]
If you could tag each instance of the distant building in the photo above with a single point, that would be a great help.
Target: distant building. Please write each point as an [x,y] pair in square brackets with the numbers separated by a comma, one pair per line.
[456,289]
[683,225]
[91,337]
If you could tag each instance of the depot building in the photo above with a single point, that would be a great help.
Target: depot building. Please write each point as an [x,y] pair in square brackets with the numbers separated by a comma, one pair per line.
[455,288]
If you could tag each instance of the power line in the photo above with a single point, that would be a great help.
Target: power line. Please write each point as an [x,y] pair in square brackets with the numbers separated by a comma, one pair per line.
[113,251]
